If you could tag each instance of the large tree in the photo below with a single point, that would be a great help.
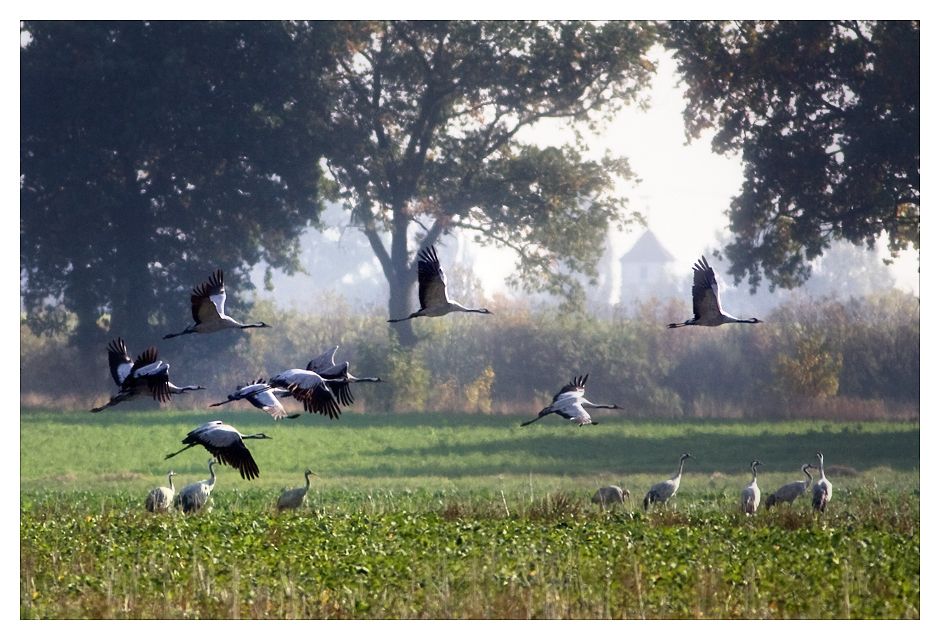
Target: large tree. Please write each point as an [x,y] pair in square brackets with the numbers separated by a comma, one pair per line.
[152,153]
[826,115]
[428,121]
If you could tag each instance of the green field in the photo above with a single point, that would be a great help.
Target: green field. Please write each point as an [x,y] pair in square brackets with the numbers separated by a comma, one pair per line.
[447,516]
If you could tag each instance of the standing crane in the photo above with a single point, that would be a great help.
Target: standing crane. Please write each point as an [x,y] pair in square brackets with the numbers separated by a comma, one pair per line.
[432,289]
[750,497]
[570,403]
[662,491]
[225,443]
[313,391]
[260,395]
[822,490]
[706,305]
[158,500]
[293,498]
[193,497]
[136,379]
[608,496]
[208,306]
[790,492]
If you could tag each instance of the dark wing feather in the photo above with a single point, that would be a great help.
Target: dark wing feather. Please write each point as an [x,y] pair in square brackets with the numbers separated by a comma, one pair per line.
[432,284]
[340,389]
[117,356]
[705,302]
[575,385]
[316,400]
[235,454]
[204,308]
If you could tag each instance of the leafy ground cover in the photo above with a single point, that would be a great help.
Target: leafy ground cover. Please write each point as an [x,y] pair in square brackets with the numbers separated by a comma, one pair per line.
[454,526]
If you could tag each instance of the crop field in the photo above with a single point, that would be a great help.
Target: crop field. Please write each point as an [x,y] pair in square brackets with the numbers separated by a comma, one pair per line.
[459,516]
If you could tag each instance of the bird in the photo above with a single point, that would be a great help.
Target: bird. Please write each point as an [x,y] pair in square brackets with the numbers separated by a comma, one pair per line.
[432,289]
[193,497]
[661,492]
[324,366]
[313,391]
[790,492]
[706,305]
[260,395]
[208,304]
[159,499]
[750,497]
[136,379]
[225,443]
[611,495]
[293,498]
[570,403]
[822,490]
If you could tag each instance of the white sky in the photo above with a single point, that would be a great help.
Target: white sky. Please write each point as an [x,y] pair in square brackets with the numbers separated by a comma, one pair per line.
[685,189]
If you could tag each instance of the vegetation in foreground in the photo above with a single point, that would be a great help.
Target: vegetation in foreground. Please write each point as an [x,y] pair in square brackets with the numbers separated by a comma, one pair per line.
[461,517]
[477,554]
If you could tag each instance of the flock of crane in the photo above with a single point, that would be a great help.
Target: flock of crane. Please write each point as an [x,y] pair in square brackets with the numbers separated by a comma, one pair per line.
[324,385]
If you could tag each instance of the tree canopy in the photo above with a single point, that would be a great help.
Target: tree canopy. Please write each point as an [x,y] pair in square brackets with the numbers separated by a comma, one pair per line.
[152,153]
[826,115]
[427,119]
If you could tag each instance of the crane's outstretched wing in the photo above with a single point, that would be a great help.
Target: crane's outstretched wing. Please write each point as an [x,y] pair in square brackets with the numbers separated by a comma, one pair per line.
[575,388]
[323,361]
[705,300]
[208,299]
[432,283]
[152,372]
[119,361]
[225,444]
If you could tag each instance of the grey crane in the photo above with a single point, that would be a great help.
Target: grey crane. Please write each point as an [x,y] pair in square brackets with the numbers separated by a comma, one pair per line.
[294,498]
[262,396]
[570,403]
[144,377]
[822,490]
[662,491]
[432,289]
[790,492]
[750,497]
[316,394]
[609,496]
[208,308]
[159,499]
[706,305]
[193,497]
[225,443]
[335,373]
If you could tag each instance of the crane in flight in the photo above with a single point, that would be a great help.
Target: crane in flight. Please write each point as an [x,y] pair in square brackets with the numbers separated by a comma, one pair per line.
[706,305]
[570,403]
[208,306]
[432,289]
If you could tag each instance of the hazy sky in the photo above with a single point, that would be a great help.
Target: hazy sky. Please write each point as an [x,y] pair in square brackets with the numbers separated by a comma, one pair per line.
[685,189]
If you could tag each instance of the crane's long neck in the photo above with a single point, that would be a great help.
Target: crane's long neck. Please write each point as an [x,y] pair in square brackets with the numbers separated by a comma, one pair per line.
[754,471]
[307,476]
[822,474]
[257,436]
[170,478]
[808,474]
[679,472]
[212,475]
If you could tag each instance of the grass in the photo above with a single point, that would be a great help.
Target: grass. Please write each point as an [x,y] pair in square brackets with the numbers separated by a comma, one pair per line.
[436,516]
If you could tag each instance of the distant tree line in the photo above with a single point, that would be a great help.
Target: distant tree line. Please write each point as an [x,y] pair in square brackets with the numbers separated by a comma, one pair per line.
[154,153]
[856,359]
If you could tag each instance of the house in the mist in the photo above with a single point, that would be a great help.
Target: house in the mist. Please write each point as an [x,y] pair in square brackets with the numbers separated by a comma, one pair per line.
[645,270]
